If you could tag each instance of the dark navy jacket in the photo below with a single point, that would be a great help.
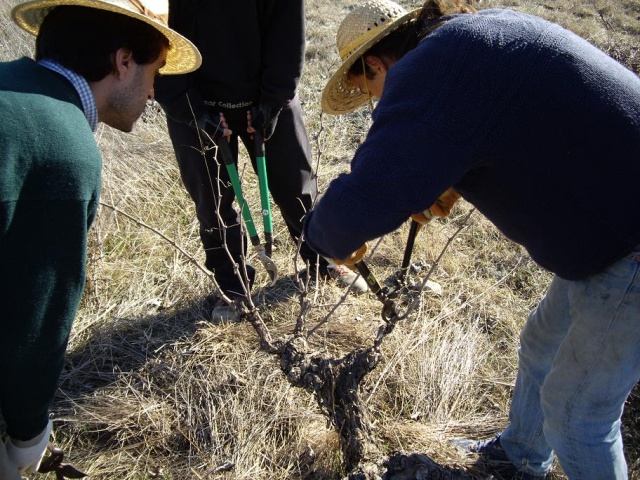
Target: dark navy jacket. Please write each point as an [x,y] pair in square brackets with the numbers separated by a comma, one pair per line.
[533,125]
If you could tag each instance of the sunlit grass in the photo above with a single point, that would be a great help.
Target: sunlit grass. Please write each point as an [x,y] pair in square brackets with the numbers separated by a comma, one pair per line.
[151,389]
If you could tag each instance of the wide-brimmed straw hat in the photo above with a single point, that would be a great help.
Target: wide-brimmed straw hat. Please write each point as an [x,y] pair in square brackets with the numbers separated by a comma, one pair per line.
[182,57]
[362,28]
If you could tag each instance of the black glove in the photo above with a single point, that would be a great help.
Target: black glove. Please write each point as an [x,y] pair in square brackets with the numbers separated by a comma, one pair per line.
[264,118]
[202,122]
[214,129]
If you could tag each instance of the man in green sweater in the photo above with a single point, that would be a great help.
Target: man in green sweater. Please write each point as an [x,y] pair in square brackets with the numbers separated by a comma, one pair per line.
[95,61]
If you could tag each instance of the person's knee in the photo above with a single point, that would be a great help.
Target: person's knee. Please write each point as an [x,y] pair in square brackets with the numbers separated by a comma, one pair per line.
[554,411]
[570,412]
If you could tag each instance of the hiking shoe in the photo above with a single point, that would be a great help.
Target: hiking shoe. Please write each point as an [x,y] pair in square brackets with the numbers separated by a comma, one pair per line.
[224,312]
[348,277]
[493,459]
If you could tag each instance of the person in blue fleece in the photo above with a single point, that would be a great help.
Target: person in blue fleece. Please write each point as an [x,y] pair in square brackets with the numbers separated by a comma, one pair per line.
[540,131]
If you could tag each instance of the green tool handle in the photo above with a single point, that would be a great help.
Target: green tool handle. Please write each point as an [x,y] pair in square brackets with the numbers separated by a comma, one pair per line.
[227,158]
[263,182]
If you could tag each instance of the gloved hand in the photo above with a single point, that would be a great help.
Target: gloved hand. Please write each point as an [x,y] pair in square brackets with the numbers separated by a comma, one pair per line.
[264,118]
[441,208]
[201,122]
[27,455]
[352,259]
[211,128]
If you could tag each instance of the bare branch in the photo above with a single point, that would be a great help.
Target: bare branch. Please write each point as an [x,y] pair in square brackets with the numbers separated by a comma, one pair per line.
[171,242]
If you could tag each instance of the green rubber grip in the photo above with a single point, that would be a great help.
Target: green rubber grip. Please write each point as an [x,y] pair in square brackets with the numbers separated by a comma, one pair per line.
[263,182]
[225,152]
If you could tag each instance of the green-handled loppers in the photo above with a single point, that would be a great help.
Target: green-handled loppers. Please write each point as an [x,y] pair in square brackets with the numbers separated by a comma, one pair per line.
[265,205]
[263,251]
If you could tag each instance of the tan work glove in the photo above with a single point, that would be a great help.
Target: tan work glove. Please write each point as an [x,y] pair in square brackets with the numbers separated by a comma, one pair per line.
[441,208]
[352,259]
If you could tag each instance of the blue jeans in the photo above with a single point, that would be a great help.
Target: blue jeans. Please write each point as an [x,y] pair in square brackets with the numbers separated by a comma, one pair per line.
[579,359]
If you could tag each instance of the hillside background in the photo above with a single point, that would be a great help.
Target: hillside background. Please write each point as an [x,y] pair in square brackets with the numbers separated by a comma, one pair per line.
[152,390]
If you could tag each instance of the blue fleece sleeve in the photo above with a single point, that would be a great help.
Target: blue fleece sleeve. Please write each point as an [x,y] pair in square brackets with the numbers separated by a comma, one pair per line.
[400,169]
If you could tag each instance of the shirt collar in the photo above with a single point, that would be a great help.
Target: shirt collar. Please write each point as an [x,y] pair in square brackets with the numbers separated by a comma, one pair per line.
[82,87]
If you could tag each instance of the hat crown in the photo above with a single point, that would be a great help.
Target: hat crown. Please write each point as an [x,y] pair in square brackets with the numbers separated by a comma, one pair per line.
[183,56]
[363,21]
[156,9]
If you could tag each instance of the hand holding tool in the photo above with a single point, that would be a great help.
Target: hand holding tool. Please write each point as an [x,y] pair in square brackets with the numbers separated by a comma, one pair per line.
[352,259]
[264,119]
[441,207]
[355,262]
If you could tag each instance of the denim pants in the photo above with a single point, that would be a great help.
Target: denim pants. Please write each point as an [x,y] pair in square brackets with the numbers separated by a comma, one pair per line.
[579,359]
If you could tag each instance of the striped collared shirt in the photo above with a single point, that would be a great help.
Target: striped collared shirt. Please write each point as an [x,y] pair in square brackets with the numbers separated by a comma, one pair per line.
[82,87]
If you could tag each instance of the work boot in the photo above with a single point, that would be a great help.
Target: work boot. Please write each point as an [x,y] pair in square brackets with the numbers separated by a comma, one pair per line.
[348,277]
[493,459]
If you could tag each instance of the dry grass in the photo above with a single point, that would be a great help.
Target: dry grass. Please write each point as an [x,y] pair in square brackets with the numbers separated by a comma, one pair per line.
[152,390]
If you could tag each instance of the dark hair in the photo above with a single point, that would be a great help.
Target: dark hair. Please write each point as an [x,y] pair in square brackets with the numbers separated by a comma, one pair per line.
[435,12]
[392,46]
[84,39]
[434,9]
[395,45]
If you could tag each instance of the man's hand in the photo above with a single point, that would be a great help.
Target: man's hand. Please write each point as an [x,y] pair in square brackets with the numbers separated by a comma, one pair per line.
[263,118]
[212,129]
[352,259]
[441,208]
[27,455]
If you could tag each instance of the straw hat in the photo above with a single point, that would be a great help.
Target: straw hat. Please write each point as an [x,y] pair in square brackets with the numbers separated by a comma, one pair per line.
[362,28]
[182,57]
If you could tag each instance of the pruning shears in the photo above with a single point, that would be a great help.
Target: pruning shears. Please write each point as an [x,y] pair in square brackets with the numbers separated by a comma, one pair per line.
[267,219]
[389,306]
[408,250]
[400,279]
[263,251]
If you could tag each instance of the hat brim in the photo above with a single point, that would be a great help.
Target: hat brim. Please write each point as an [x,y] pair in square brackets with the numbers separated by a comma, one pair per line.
[182,57]
[341,96]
